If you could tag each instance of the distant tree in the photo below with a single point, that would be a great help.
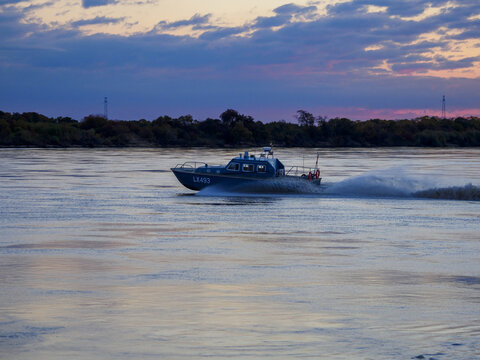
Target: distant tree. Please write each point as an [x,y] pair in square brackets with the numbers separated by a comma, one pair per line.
[93,122]
[162,120]
[321,120]
[229,117]
[186,120]
[35,117]
[211,130]
[5,132]
[241,134]
[305,118]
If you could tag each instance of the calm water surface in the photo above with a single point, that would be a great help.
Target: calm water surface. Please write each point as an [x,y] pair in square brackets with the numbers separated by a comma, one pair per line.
[104,255]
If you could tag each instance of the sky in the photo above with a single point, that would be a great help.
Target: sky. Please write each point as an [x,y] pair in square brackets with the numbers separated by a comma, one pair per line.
[359,59]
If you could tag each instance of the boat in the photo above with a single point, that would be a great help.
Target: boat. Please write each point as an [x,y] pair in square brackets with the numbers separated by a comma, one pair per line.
[242,170]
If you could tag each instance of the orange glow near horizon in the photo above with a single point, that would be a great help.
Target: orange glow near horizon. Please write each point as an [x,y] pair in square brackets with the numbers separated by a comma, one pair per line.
[356,113]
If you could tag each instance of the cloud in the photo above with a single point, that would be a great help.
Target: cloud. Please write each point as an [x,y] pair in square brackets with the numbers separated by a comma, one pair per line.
[221,33]
[400,8]
[9,2]
[408,8]
[445,64]
[12,31]
[272,21]
[97,20]
[333,43]
[470,30]
[294,9]
[92,3]
[284,15]
[197,21]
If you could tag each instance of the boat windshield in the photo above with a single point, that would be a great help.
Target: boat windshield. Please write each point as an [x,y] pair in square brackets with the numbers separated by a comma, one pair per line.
[234,166]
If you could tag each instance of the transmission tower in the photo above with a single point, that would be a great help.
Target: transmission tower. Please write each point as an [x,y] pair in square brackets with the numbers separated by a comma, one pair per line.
[444,113]
[105,107]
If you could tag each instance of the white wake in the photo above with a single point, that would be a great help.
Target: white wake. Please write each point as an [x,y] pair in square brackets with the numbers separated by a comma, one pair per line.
[395,182]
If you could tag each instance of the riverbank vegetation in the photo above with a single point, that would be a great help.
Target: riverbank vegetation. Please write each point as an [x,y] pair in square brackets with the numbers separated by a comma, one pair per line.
[235,129]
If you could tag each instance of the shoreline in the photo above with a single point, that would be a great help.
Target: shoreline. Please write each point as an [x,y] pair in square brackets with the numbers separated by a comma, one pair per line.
[234,130]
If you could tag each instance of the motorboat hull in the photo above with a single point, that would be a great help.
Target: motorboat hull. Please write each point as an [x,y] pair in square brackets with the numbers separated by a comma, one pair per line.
[243,170]
[200,180]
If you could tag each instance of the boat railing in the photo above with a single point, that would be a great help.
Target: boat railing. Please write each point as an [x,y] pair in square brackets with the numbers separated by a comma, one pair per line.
[299,171]
[190,165]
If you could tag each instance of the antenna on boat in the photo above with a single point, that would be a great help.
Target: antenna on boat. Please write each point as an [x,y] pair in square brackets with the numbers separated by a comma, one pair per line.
[316,162]
[268,150]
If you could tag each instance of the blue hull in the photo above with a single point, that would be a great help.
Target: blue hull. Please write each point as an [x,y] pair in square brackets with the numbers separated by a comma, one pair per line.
[244,173]
[197,181]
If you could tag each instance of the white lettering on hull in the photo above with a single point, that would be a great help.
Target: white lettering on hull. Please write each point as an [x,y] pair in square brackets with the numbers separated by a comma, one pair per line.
[201,179]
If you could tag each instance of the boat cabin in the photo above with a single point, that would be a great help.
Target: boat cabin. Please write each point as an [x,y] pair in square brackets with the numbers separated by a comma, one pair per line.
[264,165]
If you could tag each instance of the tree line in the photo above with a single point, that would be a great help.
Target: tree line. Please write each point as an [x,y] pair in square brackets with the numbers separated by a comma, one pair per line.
[234,129]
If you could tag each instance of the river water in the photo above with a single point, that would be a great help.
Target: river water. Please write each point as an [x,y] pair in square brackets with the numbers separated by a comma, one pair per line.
[104,255]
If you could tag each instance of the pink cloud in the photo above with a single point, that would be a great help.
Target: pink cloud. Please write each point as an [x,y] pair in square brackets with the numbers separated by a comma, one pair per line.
[357,113]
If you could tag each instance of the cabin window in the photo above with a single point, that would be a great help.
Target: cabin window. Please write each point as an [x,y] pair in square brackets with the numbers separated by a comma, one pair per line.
[234,167]
[261,168]
[248,167]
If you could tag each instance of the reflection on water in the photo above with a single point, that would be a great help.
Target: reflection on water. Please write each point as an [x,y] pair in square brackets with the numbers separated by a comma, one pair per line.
[83,244]
[103,255]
